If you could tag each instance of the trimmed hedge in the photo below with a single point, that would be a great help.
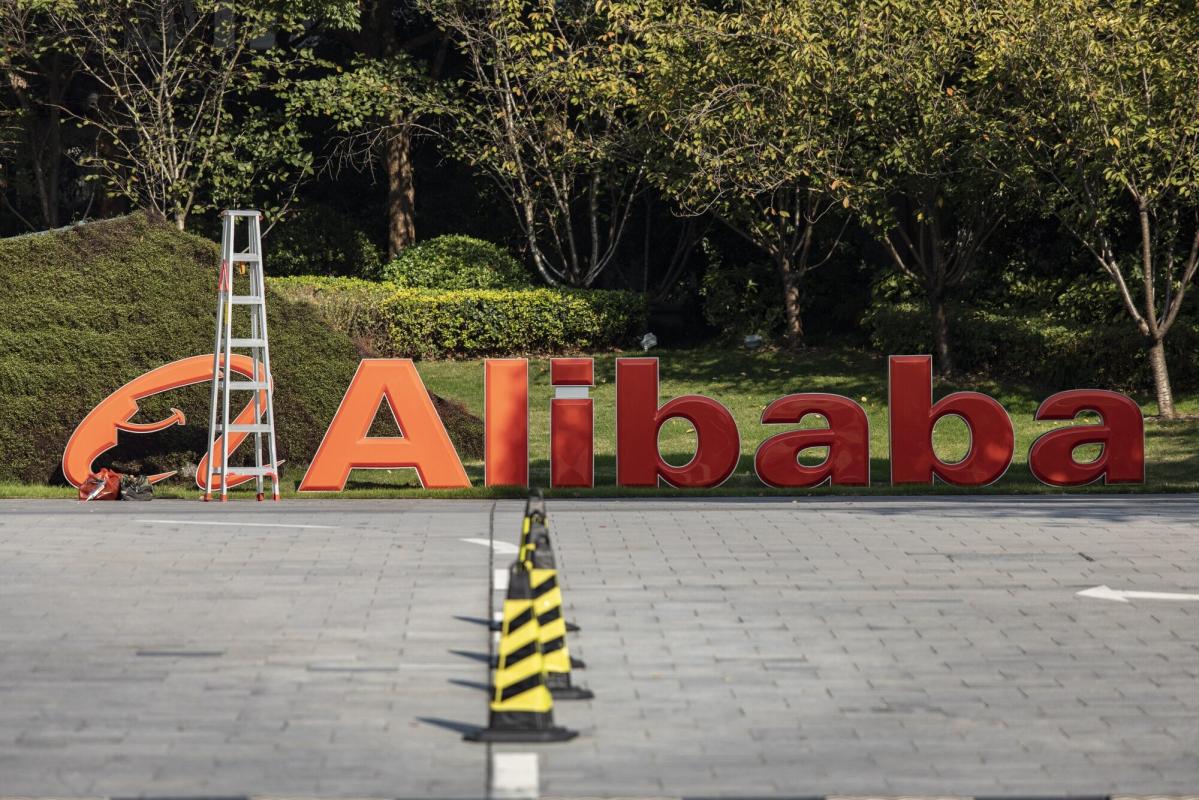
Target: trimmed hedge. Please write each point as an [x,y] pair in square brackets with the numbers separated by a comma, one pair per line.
[456,262]
[90,307]
[1039,348]
[426,323]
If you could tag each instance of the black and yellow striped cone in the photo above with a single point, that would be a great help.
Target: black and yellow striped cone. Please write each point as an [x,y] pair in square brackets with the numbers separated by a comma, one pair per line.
[522,709]
[536,531]
[534,526]
[547,605]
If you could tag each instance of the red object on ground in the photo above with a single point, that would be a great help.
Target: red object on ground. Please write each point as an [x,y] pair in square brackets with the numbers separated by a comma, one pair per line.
[102,485]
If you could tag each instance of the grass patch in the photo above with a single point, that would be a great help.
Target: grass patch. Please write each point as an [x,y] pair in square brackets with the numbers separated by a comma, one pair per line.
[746,383]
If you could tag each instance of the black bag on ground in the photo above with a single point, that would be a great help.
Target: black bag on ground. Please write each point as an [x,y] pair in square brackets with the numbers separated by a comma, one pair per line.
[136,487]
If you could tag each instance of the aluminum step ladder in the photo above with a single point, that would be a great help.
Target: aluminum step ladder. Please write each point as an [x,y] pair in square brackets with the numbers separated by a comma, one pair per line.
[237,265]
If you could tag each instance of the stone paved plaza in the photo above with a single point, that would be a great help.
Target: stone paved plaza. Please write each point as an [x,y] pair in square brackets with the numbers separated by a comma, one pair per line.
[736,647]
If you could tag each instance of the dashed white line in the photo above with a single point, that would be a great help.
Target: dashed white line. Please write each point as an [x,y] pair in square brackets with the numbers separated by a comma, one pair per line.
[514,776]
[234,524]
[501,580]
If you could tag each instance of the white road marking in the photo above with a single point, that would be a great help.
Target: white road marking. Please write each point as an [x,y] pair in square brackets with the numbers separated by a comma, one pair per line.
[514,776]
[501,580]
[498,618]
[1122,596]
[499,547]
[235,524]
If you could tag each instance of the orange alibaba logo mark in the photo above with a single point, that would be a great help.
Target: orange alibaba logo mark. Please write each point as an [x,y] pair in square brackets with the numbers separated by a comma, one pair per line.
[98,432]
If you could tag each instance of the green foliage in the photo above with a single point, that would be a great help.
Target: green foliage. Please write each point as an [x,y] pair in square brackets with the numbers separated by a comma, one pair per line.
[317,240]
[1036,347]
[367,95]
[91,307]
[740,300]
[1101,112]
[1102,102]
[456,262]
[750,112]
[543,112]
[427,323]
[184,118]
[350,305]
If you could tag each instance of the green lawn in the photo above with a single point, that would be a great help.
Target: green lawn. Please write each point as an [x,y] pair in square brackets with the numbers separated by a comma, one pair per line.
[746,383]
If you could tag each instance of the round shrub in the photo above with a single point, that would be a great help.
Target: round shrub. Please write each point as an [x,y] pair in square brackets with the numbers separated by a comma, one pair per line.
[456,262]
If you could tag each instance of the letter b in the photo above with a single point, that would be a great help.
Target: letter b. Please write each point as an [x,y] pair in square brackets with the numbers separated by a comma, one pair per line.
[638,420]
[913,416]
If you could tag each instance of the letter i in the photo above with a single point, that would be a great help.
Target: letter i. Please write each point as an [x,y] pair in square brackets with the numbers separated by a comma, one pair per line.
[572,423]
[506,422]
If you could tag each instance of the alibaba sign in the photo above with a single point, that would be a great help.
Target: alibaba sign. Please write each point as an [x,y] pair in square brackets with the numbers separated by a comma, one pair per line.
[425,446]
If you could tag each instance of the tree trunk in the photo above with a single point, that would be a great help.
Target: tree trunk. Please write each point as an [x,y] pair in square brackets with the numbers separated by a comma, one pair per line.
[51,148]
[941,335]
[401,192]
[1161,380]
[791,302]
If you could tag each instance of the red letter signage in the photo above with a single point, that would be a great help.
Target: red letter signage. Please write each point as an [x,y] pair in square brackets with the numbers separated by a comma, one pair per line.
[506,422]
[913,416]
[572,459]
[847,438]
[1121,432]
[424,443]
[638,420]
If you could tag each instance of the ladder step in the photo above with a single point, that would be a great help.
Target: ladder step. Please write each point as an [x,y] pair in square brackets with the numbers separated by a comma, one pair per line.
[247,342]
[250,257]
[241,213]
[246,428]
[246,300]
[265,471]
[247,385]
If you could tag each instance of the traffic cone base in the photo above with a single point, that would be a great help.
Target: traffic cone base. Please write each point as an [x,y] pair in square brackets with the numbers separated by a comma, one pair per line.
[520,726]
[561,688]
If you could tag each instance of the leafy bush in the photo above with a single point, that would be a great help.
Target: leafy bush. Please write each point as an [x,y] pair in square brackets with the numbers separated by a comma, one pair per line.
[91,307]
[1038,347]
[349,305]
[321,241]
[425,323]
[456,262]
[743,299]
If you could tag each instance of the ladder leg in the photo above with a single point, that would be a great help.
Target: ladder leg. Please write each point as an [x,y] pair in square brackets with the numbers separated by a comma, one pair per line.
[225,385]
[256,333]
[266,361]
[225,270]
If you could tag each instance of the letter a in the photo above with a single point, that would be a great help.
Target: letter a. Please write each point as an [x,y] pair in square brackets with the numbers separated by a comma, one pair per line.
[847,438]
[1121,434]
[424,445]
[913,416]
